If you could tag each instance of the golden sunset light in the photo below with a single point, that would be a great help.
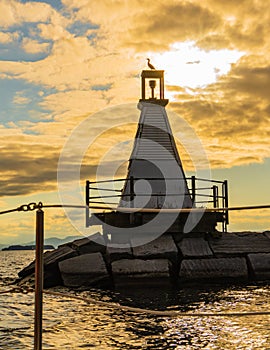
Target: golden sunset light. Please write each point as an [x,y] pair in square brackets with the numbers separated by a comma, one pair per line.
[188,66]
[63,61]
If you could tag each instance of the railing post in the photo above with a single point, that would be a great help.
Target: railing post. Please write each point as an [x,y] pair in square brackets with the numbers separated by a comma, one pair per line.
[215,196]
[193,189]
[39,279]
[131,198]
[226,201]
[131,187]
[87,202]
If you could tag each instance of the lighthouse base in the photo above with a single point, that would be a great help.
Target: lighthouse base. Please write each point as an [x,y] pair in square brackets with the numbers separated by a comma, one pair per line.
[147,223]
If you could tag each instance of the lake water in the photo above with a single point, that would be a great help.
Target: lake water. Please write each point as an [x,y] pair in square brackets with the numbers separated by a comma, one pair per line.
[73,324]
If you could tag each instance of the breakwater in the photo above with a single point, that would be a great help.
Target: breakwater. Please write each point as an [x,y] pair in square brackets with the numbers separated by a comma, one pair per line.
[166,261]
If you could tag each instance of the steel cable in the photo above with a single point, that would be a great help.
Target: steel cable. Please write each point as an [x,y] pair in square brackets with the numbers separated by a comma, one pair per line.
[172,314]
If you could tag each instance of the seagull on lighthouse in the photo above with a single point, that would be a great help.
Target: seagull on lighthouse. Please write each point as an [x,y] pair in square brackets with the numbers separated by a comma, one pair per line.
[149,64]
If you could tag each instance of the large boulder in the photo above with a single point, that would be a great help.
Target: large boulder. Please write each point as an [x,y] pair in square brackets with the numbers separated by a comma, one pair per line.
[51,259]
[117,251]
[84,270]
[91,244]
[214,269]
[162,247]
[260,266]
[194,247]
[141,272]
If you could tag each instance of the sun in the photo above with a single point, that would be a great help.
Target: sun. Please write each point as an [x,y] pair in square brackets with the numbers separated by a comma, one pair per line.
[188,66]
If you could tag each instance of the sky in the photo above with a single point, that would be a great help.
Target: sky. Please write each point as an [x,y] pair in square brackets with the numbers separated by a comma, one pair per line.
[65,61]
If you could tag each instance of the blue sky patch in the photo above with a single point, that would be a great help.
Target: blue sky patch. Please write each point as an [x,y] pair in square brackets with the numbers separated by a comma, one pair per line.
[14,51]
[79,28]
[20,100]
[56,4]
[104,87]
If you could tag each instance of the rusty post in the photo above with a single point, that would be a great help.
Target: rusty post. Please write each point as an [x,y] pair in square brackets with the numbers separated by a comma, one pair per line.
[39,279]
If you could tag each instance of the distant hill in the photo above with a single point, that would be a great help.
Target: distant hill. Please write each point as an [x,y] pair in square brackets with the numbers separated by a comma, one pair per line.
[26,247]
[55,241]
[52,241]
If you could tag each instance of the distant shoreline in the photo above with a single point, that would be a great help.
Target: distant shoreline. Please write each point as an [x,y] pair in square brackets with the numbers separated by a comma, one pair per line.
[26,247]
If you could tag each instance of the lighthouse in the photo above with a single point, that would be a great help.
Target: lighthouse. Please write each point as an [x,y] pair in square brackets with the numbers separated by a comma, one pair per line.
[156,196]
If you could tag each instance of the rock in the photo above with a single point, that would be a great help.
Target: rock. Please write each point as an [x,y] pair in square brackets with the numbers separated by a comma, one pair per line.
[118,251]
[260,266]
[141,272]
[162,247]
[222,268]
[194,247]
[235,244]
[51,259]
[84,270]
[91,244]
[267,234]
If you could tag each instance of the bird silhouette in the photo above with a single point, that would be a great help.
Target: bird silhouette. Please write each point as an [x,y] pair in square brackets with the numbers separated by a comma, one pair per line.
[149,64]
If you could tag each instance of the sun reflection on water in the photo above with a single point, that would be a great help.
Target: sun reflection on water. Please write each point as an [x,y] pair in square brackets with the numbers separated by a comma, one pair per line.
[73,324]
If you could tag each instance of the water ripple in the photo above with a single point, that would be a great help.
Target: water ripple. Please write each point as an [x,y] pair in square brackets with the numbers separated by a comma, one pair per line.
[73,324]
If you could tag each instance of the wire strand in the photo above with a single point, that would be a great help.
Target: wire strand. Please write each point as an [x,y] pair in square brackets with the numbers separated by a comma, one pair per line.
[172,314]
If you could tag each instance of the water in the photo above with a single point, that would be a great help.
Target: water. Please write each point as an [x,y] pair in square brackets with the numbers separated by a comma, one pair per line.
[73,324]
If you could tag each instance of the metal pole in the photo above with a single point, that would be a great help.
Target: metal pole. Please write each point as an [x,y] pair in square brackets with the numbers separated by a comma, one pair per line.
[131,198]
[193,189]
[226,200]
[39,279]
[215,196]
[87,201]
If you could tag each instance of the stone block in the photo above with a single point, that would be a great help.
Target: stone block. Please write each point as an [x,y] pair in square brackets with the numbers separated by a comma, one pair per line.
[267,234]
[162,247]
[84,270]
[51,259]
[118,251]
[260,266]
[92,244]
[208,269]
[141,272]
[194,247]
[235,244]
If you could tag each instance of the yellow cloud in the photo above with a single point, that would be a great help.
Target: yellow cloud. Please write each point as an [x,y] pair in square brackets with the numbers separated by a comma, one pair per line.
[6,37]
[33,46]
[13,12]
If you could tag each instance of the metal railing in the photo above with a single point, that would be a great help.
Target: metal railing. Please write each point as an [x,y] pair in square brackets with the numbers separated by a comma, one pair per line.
[204,193]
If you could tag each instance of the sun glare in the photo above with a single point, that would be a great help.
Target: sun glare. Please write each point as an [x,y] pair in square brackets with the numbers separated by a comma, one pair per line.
[188,66]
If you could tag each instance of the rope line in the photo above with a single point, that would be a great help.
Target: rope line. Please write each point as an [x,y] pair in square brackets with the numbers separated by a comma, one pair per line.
[172,314]
[34,206]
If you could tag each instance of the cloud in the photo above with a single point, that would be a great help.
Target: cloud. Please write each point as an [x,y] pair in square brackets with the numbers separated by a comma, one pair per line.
[171,22]
[13,12]
[231,116]
[33,46]
[6,37]
[19,99]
